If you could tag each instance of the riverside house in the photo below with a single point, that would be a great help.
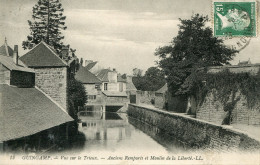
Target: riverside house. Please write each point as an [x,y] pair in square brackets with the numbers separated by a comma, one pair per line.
[106,90]
[26,111]
[113,88]
[92,85]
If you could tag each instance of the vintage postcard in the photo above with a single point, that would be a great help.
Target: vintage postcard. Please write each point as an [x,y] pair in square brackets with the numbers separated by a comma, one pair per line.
[129,82]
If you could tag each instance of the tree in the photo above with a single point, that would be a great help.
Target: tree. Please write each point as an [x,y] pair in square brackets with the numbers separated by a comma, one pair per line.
[194,47]
[46,25]
[151,81]
[77,96]
[154,78]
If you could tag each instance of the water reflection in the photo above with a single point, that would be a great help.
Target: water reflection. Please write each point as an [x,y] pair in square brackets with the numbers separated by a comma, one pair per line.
[99,128]
[117,133]
[104,132]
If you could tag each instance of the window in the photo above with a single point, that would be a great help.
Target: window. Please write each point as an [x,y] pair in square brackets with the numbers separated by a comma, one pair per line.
[105,86]
[92,97]
[97,86]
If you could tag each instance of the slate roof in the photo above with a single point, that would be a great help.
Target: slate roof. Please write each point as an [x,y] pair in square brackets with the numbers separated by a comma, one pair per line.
[7,61]
[103,75]
[86,76]
[162,89]
[26,111]
[4,48]
[42,55]
[114,93]
[120,79]
[130,86]
[91,65]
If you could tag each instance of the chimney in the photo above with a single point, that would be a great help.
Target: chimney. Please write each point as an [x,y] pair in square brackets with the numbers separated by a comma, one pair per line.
[65,52]
[15,54]
[114,69]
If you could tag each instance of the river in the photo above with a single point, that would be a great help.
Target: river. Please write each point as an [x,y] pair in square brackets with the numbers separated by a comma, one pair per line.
[117,133]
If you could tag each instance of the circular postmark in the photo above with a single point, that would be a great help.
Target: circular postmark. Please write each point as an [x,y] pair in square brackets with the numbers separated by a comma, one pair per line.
[237,43]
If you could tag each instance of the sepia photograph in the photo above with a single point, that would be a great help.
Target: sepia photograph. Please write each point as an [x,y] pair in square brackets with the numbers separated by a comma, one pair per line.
[129,82]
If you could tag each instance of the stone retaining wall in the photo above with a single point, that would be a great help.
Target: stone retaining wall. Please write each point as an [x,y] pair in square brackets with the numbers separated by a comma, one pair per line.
[212,110]
[197,133]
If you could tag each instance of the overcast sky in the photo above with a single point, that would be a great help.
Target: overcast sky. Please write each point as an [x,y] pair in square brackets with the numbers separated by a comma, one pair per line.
[120,34]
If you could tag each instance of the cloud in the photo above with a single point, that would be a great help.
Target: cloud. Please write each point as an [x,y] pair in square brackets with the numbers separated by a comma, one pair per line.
[119,39]
[119,34]
[115,53]
[143,26]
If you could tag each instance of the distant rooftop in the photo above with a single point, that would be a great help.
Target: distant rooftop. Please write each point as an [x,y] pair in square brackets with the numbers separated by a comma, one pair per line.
[86,77]
[7,61]
[120,79]
[91,65]
[103,75]
[6,50]
[43,55]
[6,58]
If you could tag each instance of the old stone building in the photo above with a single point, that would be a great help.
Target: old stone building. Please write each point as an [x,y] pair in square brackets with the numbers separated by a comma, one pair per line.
[106,90]
[92,85]
[51,72]
[26,111]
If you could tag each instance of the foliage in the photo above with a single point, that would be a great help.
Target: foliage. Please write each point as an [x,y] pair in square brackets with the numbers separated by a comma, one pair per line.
[46,24]
[224,86]
[194,47]
[151,81]
[77,96]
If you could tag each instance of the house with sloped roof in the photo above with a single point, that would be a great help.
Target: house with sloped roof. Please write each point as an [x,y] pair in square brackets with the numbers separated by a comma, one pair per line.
[25,110]
[92,86]
[51,72]
[12,70]
[106,89]
[111,81]
[113,88]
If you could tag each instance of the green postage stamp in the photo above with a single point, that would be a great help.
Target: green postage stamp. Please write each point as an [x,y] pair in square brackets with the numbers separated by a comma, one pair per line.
[234,18]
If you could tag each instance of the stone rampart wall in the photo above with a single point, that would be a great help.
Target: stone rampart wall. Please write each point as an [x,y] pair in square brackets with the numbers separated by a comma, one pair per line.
[252,69]
[196,133]
[212,110]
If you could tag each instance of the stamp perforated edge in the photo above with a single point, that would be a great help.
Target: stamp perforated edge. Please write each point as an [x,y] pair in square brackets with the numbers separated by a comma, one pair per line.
[237,36]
